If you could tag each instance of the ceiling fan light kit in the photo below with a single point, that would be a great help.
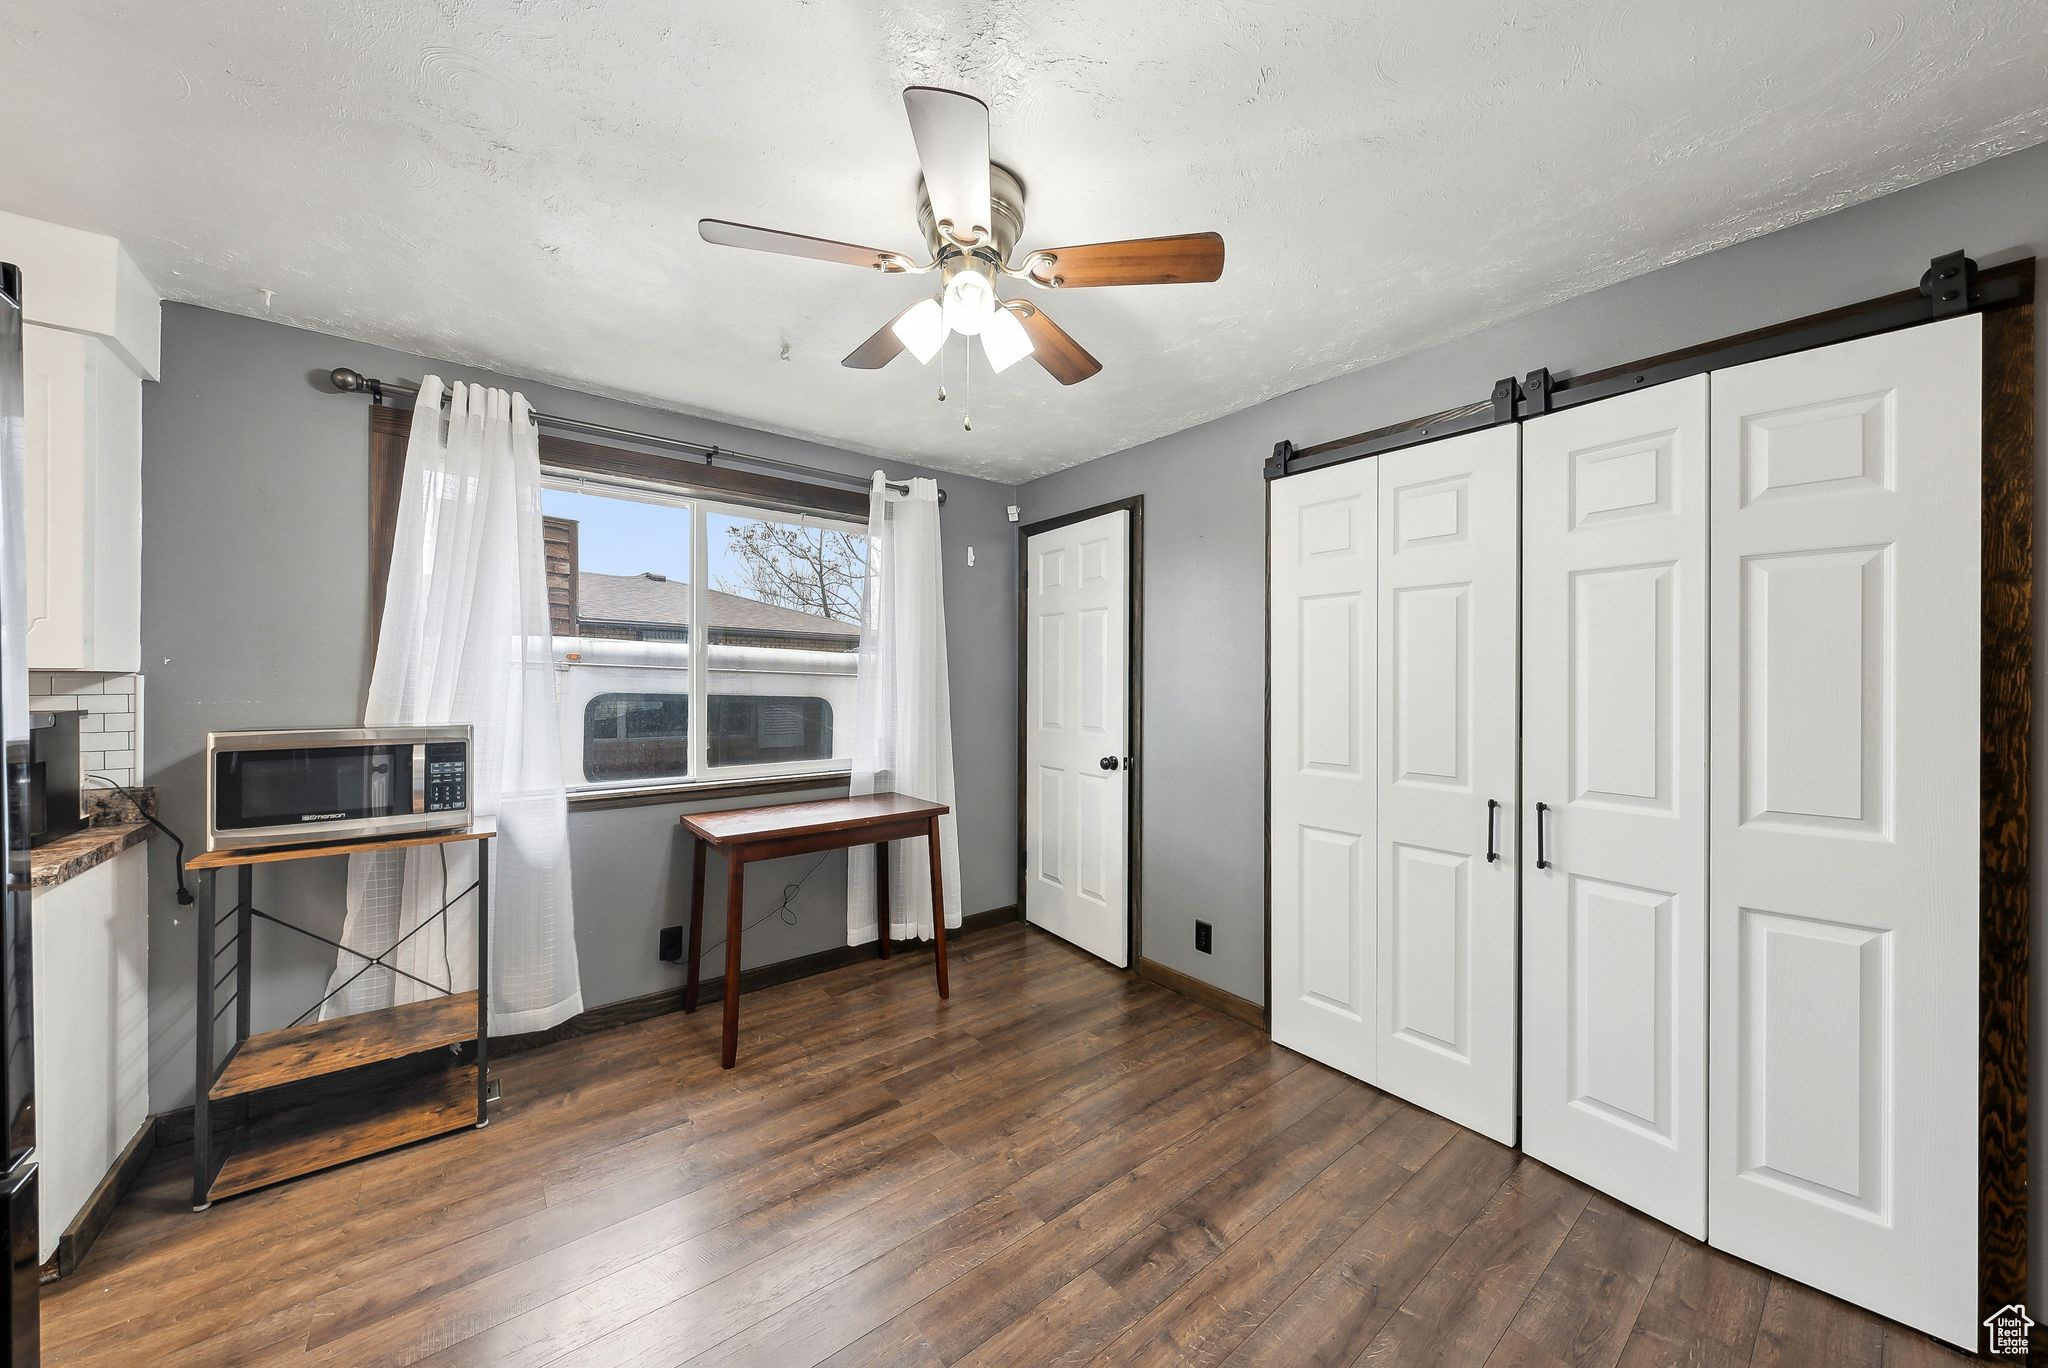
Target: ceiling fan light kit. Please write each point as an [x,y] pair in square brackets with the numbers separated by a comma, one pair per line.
[971,212]
[921,329]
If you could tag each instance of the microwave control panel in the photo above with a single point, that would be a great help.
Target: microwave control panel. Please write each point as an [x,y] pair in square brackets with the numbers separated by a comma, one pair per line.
[447,776]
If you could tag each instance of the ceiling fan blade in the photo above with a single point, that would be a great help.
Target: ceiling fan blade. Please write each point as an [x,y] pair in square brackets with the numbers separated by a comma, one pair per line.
[725,234]
[951,131]
[878,351]
[1069,363]
[1184,259]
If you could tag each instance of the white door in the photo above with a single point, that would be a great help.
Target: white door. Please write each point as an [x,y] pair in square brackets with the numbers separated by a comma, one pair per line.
[1324,553]
[1447,768]
[1845,636]
[1614,745]
[1077,750]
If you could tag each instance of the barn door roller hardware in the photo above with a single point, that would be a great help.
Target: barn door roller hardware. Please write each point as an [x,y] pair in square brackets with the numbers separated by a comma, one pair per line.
[1950,287]
[1497,408]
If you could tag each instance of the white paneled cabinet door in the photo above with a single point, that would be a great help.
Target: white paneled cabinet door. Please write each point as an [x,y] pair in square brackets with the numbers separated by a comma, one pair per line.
[1077,702]
[1614,746]
[1324,568]
[1845,646]
[1447,770]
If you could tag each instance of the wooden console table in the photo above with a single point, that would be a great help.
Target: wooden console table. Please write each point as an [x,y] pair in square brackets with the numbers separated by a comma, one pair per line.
[767,833]
[324,1131]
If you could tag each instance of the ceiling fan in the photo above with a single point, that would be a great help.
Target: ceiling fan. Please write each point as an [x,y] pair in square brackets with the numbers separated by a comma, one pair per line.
[972,214]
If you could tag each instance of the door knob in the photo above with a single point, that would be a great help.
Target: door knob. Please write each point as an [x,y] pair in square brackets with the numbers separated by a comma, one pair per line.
[1109,762]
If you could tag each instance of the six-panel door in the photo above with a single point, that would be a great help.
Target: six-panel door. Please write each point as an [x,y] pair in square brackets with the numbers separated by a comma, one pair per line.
[1324,549]
[1076,707]
[1445,706]
[1750,637]
[1614,745]
[1844,654]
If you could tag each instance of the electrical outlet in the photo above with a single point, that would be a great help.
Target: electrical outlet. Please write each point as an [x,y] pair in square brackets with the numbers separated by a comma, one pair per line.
[1202,936]
[671,943]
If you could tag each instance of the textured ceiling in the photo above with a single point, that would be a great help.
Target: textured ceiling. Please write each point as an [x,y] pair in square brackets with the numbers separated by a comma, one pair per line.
[516,184]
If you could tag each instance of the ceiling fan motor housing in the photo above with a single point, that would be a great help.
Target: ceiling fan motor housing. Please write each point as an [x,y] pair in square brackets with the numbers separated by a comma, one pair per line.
[1006,207]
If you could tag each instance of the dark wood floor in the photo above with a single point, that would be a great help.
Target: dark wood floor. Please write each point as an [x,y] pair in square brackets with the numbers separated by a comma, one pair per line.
[1062,1164]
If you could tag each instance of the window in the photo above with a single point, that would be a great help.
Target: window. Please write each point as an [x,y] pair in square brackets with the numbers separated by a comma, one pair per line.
[640,578]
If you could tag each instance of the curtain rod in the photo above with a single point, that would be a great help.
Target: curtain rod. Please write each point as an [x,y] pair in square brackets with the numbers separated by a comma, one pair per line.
[355,382]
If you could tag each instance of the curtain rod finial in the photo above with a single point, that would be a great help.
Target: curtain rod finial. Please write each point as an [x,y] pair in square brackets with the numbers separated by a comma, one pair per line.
[346,380]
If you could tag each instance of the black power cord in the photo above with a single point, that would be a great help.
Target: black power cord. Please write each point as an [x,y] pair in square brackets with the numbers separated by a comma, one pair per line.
[783,909]
[185,896]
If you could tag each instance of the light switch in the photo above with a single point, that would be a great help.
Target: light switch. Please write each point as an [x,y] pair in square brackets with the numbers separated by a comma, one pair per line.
[970,557]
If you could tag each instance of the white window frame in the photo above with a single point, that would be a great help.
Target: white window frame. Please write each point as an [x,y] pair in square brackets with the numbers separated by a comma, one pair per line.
[700,509]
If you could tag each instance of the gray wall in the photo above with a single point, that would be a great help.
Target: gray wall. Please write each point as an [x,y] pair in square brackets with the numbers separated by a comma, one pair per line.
[1205,531]
[255,611]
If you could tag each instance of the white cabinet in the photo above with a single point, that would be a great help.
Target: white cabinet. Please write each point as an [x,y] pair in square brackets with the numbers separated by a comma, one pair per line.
[91,952]
[90,337]
[1393,773]
[83,512]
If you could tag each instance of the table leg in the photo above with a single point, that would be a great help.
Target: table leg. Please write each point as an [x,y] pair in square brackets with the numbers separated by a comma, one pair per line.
[735,881]
[696,926]
[882,895]
[938,906]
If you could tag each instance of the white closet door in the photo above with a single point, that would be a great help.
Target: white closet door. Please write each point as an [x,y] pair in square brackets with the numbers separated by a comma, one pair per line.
[1614,697]
[1446,720]
[1845,609]
[1324,565]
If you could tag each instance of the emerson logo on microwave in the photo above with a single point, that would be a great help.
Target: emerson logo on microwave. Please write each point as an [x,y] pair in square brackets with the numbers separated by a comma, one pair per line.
[322,816]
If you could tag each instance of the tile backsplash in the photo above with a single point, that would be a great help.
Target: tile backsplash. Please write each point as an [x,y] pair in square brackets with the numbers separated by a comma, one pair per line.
[110,733]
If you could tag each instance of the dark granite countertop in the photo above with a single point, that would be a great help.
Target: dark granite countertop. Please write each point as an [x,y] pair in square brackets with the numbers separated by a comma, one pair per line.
[72,855]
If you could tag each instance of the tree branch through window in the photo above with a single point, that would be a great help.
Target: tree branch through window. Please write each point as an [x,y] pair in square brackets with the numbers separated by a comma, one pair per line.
[809,569]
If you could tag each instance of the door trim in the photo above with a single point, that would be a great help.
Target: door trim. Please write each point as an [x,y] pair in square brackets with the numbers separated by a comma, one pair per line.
[2005,767]
[1134,703]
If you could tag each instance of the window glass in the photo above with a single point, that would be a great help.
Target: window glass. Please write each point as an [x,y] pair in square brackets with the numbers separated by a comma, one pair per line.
[636,736]
[618,572]
[784,611]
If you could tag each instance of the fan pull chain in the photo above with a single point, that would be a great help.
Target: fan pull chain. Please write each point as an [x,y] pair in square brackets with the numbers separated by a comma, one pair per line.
[967,391]
[942,370]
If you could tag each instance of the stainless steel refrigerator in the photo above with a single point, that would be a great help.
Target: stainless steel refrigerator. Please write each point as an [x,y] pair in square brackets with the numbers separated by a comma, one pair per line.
[18,1189]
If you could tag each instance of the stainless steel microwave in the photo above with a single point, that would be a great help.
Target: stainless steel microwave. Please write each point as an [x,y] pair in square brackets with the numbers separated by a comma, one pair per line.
[273,788]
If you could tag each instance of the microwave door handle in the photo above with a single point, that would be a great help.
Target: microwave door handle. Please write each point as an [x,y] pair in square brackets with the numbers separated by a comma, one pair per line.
[419,779]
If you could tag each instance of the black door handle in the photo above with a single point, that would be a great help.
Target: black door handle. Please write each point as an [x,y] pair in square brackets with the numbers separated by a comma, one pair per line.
[1109,762]
[1492,830]
[1542,849]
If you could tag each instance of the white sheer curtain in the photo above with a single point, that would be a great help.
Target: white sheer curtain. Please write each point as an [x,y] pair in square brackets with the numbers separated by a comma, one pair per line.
[902,712]
[465,639]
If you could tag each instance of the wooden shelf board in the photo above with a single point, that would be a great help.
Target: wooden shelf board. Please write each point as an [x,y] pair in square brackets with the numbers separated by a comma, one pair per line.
[320,1135]
[224,859]
[319,1048]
